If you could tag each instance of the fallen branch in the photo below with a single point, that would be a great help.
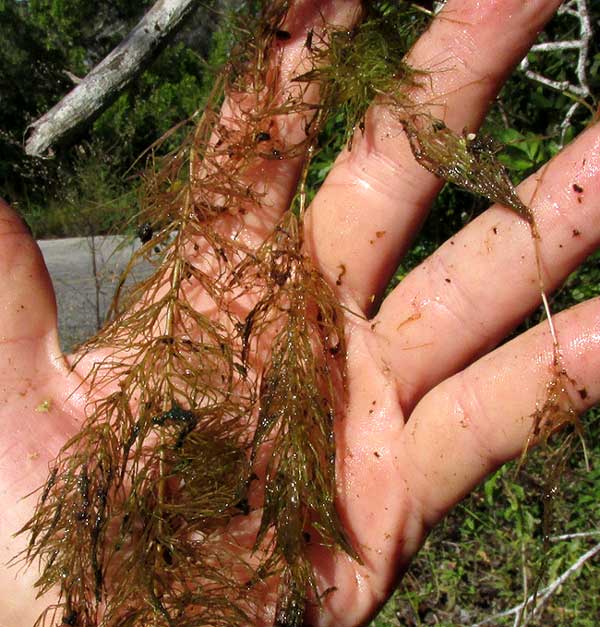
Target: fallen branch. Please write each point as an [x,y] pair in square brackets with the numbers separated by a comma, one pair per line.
[580,90]
[542,597]
[108,79]
[572,536]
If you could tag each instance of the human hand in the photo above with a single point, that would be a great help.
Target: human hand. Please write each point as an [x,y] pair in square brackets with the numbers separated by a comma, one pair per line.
[427,416]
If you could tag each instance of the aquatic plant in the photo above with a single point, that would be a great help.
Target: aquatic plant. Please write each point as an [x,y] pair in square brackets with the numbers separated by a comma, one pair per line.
[216,383]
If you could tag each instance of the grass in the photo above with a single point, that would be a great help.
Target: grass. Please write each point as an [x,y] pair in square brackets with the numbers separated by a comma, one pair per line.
[93,199]
[59,219]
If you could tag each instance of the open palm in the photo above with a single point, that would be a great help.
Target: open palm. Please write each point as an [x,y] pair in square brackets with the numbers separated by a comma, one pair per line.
[430,410]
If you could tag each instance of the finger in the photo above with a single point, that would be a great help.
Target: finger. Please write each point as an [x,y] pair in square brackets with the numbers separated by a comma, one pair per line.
[482,282]
[33,394]
[28,303]
[481,418]
[396,479]
[376,196]
[277,135]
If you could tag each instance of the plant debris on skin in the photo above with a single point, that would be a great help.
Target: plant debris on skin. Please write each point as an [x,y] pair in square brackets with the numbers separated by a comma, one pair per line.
[133,524]
[467,160]
[299,381]
[353,67]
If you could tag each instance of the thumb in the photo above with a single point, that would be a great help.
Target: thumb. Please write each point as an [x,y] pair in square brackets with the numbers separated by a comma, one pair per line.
[28,312]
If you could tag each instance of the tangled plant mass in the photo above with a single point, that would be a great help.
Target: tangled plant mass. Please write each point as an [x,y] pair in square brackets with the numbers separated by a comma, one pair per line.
[205,470]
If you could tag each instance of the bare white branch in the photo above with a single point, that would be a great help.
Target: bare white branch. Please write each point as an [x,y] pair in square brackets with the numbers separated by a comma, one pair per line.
[551,589]
[438,6]
[558,85]
[556,45]
[579,9]
[569,8]
[104,83]
[573,536]
[544,595]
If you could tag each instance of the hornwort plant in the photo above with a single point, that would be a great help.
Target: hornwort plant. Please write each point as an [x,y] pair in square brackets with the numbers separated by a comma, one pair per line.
[206,467]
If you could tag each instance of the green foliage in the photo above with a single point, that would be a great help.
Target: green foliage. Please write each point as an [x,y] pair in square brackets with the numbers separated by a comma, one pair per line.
[356,66]
[581,285]
[95,200]
[31,80]
[171,90]
[47,37]
[524,153]
[473,566]
[79,28]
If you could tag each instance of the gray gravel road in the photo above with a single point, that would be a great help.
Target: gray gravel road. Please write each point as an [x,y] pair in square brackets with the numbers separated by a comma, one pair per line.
[70,263]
